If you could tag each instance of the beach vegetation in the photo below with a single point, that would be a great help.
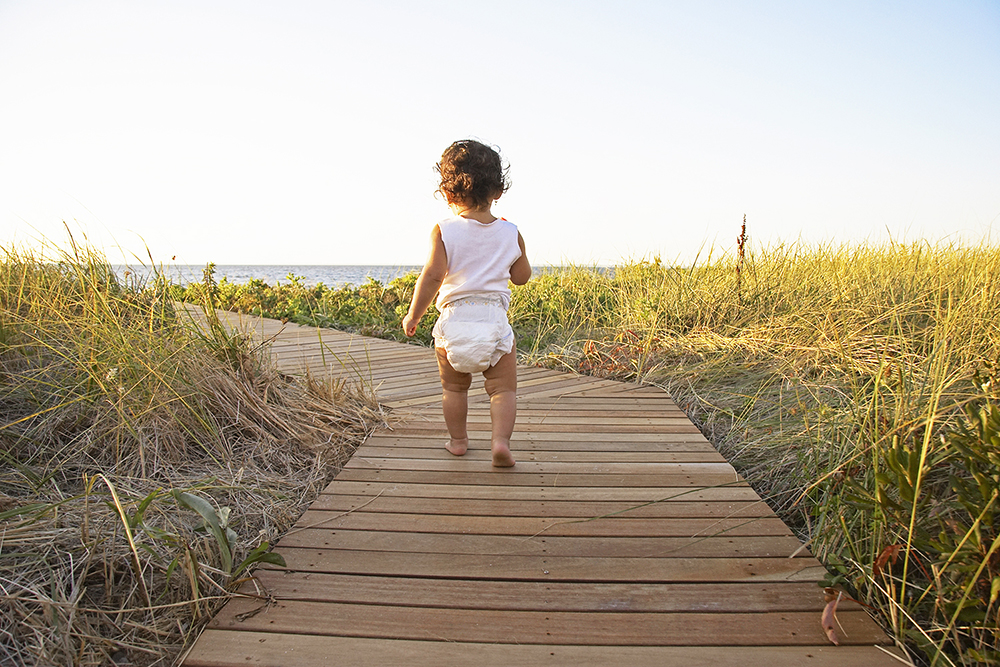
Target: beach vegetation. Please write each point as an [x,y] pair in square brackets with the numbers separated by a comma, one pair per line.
[150,459]
[370,309]
[854,386]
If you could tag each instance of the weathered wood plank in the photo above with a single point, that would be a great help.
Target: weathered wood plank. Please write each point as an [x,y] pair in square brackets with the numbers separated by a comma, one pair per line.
[734,493]
[589,441]
[788,628]
[540,507]
[613,526]
[433,449]
[459,464]
[574,450]
[728,546]
[536,479]
[222,648]
[734,597]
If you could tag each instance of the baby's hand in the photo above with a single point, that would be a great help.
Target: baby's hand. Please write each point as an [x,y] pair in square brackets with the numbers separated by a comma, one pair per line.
[410,325]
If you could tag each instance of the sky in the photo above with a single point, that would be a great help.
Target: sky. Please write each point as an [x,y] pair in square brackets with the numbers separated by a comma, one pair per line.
[300,132]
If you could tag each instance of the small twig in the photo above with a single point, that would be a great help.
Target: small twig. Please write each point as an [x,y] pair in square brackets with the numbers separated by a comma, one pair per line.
[903,660]
[629,509]
[333,518]
[802,547]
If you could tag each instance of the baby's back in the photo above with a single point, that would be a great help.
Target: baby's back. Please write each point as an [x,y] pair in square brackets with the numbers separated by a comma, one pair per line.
[479,258]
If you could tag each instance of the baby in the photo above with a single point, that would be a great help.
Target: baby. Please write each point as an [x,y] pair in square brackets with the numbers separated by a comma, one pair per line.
[473,255]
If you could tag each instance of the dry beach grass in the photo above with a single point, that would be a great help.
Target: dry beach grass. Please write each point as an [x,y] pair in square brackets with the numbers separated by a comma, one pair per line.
[147,462]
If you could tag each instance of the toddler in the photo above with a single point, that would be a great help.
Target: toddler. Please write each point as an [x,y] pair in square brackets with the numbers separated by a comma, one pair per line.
[473,255]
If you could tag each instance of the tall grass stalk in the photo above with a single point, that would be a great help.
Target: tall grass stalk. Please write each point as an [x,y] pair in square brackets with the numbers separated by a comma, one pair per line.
[109,401]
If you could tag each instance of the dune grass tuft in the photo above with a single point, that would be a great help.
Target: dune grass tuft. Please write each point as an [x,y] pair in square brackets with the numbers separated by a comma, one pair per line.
[148,462]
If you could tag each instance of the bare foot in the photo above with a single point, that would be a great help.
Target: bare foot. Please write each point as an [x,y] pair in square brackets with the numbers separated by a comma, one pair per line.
[457,446]
[502,457]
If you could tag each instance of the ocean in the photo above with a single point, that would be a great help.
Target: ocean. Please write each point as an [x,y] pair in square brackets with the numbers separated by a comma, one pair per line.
[331,276]
[272,274]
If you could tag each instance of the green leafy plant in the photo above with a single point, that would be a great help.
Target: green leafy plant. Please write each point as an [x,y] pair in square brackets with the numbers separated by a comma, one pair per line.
[216,522]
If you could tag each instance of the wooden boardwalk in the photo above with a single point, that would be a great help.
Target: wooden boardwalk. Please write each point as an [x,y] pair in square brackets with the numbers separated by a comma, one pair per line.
[620,538]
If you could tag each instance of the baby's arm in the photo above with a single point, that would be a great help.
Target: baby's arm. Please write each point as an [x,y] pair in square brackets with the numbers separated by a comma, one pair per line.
[428,283]
[520,270]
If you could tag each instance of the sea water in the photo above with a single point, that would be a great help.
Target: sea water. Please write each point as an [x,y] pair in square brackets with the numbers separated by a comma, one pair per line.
[331,276]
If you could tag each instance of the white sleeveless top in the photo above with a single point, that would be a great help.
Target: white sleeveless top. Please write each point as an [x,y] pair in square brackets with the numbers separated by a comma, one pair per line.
[479,258]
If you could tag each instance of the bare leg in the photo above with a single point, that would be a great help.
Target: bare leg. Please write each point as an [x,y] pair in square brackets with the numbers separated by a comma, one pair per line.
[501,385]
[503,412]
[455,404]
[456,410]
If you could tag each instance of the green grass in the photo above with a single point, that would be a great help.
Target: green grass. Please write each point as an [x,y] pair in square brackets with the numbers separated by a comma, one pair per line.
[839,381]
[370,309]
[855,387]
[124,430]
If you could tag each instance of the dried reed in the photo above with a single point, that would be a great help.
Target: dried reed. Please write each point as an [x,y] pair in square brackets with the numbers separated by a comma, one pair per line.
[109,401]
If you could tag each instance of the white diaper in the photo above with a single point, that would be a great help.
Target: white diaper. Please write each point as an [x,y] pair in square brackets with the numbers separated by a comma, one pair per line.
[474,333]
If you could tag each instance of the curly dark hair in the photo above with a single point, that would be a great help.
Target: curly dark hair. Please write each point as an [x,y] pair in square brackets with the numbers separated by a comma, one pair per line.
[472,174]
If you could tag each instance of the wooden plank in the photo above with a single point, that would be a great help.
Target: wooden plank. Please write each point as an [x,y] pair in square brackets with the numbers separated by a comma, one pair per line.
[629,400]
[734,493]
[562,387]
[613,526]
[540,507]
[421,395]
[600,393]
[526,377]
[726,546]
[530,627]
[585,440]
[528,421]
[516,568]
[509,476]
[460,464]
[221,648]
[626,401]
[343,345]
[566,446]
[666,408]
[620,431]
[366,367]
[358,348]
[479,414]
[482,453]
[736,597]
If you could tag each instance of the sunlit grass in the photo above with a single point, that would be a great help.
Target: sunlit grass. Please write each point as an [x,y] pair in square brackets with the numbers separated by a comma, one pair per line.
[123,427]
[835,379]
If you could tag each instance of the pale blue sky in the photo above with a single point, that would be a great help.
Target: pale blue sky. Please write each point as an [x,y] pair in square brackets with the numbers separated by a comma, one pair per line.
[306,132]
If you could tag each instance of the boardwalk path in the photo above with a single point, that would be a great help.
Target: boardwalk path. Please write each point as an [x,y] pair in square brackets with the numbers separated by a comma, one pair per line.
[620,538]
